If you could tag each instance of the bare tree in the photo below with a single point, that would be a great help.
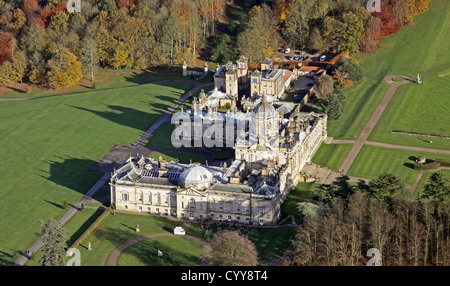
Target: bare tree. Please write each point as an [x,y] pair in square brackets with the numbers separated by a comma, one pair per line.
[381,225]
[232,249]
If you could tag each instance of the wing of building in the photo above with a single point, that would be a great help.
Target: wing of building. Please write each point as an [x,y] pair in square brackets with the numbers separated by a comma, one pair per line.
[270,151]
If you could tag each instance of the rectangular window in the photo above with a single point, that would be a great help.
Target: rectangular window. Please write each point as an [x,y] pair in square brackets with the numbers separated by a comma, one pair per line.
[125,197]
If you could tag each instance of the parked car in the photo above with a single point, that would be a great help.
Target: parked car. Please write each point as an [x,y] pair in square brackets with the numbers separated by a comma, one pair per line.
[287,51]
[322,58]
[296,58]
[282,51]
[305,58]
[301,53]
[301,58]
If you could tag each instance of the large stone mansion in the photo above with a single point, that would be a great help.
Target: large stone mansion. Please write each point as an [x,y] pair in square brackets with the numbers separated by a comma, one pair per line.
[250,190]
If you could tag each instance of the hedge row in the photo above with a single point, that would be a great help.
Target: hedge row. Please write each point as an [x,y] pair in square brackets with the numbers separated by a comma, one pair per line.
[443,162]
[91,228]
[433,165]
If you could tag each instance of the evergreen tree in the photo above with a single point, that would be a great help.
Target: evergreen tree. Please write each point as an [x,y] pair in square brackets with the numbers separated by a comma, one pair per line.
[437,189]
[55,244]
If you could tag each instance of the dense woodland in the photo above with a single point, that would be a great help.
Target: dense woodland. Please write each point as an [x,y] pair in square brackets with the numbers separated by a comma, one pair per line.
[41,43]
[348,220]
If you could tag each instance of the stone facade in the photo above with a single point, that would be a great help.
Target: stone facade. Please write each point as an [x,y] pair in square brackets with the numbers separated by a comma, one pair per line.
[267,161]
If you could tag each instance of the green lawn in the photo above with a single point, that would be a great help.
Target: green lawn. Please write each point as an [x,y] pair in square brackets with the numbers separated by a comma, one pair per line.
[74,228]
[118,229]
[301,193]
[417,108]
[331,155]
[162,137]
[373,160]
[104,79]
[425,180]
[272,242]
[48,146]
[420,48]
[181,251]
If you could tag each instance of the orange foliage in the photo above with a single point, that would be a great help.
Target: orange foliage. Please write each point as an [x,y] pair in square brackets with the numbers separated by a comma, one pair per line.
[390,23]
[125,3]
[7,46]
[30,6]
[46,13]
[418,6]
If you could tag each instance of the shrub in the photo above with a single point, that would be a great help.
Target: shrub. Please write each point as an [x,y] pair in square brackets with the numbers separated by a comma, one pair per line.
[428,166]
[28,88]
[354,71]
[443,162]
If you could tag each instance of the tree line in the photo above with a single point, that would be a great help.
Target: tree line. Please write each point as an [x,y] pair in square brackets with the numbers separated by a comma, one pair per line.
[349,220]
[44,44]
[41,43]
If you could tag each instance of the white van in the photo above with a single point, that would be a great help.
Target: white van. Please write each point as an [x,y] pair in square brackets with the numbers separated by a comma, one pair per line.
[287,51]
[322,58]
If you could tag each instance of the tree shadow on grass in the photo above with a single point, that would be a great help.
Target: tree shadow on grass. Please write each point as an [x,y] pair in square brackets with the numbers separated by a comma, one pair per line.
[85,226]
[6,258]
[126,116]
[72,173]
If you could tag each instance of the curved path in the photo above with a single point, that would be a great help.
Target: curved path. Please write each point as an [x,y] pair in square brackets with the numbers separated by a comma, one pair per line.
[376,115]
[111,260]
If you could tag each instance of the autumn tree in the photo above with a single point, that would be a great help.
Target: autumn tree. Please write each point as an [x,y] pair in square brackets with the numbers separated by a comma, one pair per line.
[64,69]
[261,37]
[7,46]
[371,36]
[353,28]
[89,57]
[232,249]
[323,86]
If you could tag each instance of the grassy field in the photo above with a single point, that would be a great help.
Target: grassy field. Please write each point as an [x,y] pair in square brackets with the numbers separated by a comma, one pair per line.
[182,251]
[48,146]
[417,108]
[270,243]
[373,160]
[75,227]
[331,155]
[118,229]
[301,193]
[104,79]
[426,54]
[425,180]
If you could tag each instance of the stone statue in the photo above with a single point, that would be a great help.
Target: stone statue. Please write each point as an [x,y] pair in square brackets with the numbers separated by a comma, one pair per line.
[418,79]
[137,228]
[89,246]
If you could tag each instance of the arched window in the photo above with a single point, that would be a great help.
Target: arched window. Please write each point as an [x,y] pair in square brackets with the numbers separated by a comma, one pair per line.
[192,204]
[157,198]
[212,204]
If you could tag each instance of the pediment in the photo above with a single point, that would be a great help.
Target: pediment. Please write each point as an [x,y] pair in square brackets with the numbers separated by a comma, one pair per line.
[191,192]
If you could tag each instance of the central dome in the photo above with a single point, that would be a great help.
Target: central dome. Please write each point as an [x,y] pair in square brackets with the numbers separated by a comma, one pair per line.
[196,176]
[264,108]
